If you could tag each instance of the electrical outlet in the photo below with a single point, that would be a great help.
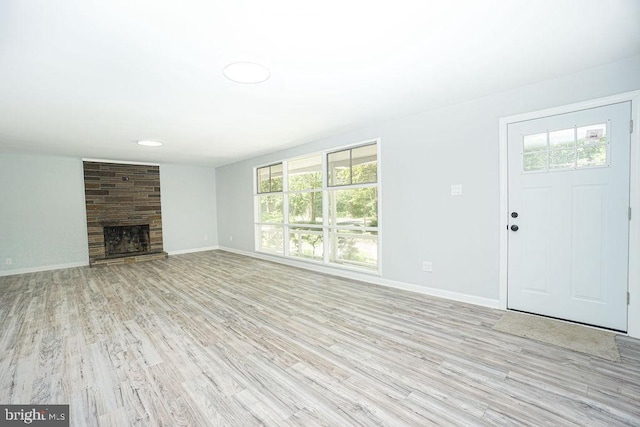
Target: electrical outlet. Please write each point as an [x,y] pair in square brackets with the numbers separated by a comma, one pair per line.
[8,261]
[427,266]
[231,238]
[456,190]
[206,237]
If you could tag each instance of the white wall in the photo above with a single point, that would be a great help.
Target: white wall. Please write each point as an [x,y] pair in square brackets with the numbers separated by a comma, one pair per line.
[42,211]
[188,198]
[42,214]
[421,156]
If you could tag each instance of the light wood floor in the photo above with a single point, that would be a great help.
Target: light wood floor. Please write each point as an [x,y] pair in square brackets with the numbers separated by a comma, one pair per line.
[219,339]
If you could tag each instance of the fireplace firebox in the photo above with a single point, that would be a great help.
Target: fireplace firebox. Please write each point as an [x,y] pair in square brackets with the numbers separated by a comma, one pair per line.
[125,240]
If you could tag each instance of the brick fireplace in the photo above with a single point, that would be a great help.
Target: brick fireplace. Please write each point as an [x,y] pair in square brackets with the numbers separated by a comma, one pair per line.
[124,219]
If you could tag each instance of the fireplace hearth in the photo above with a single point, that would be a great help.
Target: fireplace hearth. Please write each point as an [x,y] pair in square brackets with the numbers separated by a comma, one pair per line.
[125,240]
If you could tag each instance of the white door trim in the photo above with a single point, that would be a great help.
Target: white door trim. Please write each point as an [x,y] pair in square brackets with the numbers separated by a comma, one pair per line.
[633,328]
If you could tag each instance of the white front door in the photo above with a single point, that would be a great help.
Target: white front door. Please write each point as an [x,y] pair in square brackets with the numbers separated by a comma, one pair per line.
[568,242]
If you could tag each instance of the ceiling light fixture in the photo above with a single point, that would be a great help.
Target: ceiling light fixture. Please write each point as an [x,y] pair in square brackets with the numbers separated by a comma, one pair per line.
[149,143]
[246,72]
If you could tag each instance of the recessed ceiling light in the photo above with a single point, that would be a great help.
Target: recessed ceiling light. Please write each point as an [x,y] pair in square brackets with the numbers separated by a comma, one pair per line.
[246,72]
[149,143]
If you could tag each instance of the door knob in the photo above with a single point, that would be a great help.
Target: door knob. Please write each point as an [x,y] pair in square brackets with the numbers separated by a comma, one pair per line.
[514,227]
[514,214]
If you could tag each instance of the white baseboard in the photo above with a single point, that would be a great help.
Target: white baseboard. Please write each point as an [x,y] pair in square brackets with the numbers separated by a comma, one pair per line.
[86,263]
[43,268]
[371,278]
[364,277]
[189,251]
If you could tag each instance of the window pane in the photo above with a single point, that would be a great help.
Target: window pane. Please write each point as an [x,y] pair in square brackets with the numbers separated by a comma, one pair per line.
[276,177]
[355,248]
[306,242]
[305,208]
[271,238]
[595,155]
[535,161]
[264,185]
[364,164]
[353,212]
[593,134]
[535,142]
[305,174]
[354,207]
[561,139]
[562,159]
[339,168]
[270,178]
[271,208]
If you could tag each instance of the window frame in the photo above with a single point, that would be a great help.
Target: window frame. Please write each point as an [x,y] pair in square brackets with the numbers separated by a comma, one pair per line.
[257,178]
[350,149]
[328,230]
[575,149]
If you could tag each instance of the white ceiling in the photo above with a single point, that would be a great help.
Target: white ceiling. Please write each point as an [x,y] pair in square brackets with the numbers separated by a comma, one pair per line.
[88,78]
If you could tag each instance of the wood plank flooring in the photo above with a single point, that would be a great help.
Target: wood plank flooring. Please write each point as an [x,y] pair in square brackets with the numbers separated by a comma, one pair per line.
[215,338]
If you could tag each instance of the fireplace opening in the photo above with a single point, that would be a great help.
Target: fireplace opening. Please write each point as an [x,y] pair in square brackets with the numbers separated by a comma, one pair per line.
[123,240]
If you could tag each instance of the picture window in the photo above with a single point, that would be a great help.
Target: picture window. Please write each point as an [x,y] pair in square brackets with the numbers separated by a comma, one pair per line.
[321,207]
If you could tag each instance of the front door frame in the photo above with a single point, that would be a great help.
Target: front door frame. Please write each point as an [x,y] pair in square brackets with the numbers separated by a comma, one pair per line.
[633,309]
